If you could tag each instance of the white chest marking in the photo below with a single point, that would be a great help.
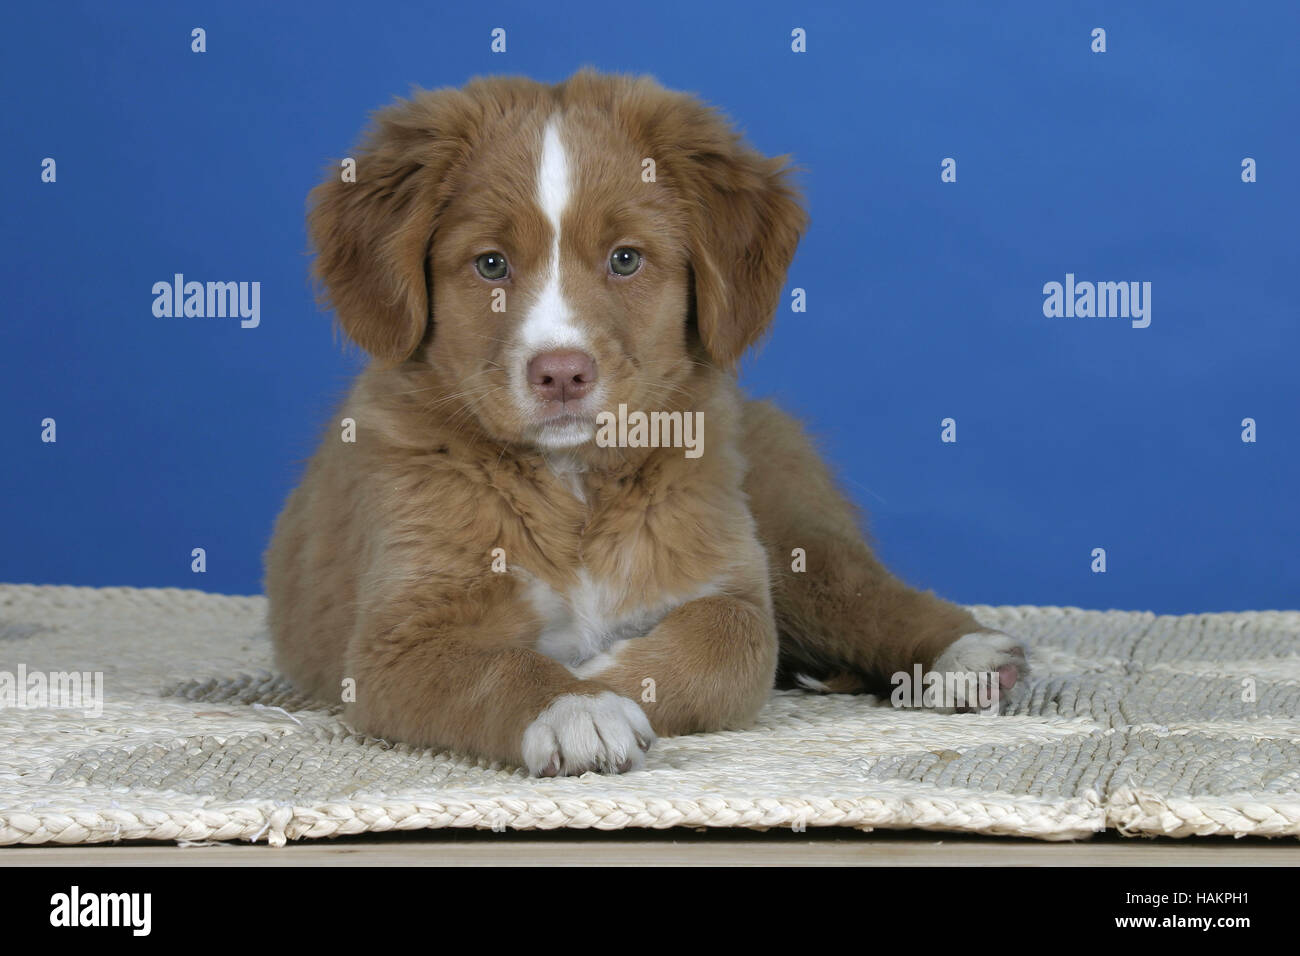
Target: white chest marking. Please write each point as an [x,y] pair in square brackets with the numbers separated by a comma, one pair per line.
[580,625]
[569,470]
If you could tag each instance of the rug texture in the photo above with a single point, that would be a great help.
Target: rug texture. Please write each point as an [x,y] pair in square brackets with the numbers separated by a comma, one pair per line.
[1141,723]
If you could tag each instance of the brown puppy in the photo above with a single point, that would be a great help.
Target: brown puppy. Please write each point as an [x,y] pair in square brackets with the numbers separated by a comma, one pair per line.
[494,567]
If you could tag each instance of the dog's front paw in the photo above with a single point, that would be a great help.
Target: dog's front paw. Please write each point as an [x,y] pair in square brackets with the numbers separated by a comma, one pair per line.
[986,652]
[578,732]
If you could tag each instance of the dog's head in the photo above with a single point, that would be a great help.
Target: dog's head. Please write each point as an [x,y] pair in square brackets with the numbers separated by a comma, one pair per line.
[554,251]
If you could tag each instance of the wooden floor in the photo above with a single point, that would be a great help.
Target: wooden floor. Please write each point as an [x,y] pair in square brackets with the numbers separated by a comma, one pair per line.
[824,847]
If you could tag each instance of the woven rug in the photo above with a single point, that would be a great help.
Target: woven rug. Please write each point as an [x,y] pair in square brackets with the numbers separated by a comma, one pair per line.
[1141,723]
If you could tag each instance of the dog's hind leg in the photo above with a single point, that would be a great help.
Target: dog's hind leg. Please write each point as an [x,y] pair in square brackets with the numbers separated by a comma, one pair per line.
[846,623]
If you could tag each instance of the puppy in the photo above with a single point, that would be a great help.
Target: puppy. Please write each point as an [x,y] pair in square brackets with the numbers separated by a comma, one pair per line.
[474,568]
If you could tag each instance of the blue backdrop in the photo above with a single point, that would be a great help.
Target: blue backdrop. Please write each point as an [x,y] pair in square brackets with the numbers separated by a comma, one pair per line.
[924,298]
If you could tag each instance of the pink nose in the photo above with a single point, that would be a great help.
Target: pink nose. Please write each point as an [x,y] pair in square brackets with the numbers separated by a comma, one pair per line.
[561,376]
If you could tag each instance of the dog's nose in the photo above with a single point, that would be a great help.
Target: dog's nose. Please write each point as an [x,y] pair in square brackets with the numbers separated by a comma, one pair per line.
[561,376]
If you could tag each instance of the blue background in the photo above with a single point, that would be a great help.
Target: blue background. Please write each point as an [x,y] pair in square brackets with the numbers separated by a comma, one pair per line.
[924,298]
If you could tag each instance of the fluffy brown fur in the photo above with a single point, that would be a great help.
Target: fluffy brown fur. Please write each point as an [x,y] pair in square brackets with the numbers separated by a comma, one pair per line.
[384,569]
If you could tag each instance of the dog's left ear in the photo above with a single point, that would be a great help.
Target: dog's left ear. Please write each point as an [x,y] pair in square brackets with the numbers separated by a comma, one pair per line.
[744,220]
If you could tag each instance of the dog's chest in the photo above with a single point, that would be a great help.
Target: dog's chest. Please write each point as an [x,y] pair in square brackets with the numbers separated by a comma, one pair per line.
[621,580]
[588,618]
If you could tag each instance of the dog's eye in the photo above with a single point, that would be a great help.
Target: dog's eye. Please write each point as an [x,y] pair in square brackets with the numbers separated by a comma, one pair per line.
[492,265]
[624,261]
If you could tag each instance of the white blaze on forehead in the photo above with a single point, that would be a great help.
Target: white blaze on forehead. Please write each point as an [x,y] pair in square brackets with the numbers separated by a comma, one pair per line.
[549,322]
[553,176]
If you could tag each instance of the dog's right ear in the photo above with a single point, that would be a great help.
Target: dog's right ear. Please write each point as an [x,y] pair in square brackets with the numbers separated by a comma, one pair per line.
[371,237]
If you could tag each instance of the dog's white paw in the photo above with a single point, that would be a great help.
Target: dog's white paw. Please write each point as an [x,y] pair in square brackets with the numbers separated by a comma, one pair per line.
[985,652]
[578,732]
